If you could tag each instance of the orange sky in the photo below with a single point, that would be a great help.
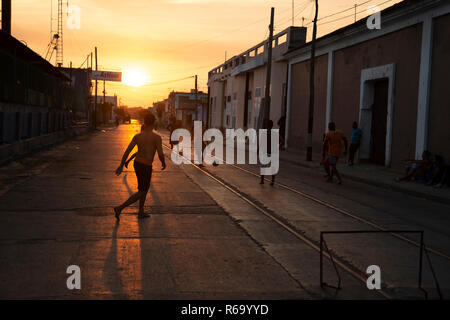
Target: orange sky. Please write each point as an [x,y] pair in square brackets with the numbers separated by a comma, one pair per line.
[168,39]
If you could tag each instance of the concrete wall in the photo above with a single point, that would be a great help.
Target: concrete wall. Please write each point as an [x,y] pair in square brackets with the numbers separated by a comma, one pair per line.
[252,64]
[402,48]
[216,97]
[238,100]
[278,80]
[258,89]
[28,128]
[439,117]
[300,103]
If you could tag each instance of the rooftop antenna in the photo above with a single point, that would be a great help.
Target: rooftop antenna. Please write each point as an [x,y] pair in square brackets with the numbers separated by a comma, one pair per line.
[56,41]
[59,41]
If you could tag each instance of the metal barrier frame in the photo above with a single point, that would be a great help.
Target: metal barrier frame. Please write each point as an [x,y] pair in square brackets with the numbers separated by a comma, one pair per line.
[421,248]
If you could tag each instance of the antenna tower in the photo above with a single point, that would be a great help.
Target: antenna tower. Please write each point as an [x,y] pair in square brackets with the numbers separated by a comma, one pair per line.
[56,42]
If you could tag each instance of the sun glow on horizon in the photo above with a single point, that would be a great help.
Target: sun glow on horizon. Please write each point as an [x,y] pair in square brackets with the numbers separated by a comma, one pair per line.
[135,77]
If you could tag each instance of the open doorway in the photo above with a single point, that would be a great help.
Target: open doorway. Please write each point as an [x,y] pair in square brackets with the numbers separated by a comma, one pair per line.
[376,113]
[379,117]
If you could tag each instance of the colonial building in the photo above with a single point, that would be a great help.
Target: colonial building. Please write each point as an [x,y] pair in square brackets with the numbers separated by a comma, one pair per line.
[188,106]
[392,80]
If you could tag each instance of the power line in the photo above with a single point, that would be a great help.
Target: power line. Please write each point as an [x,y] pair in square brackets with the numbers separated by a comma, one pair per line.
[351,15]
[347,16]
[345,10]
[305,5]
[168,82]
[223,34]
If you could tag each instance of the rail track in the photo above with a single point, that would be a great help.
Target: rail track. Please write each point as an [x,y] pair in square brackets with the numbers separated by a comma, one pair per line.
[352,270]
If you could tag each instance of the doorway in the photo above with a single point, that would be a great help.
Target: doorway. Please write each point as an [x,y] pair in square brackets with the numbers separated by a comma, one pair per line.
[379,117]
[376,110]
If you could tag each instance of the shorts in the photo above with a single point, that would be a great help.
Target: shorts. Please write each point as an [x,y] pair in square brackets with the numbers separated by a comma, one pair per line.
[413,165]
[143,174]
[333,159]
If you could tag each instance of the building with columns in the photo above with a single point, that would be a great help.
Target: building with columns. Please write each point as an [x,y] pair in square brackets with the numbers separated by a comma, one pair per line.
[237,87]
[392,80]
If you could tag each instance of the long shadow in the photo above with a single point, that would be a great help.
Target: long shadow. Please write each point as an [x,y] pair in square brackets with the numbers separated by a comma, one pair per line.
[111,274]
[147,265]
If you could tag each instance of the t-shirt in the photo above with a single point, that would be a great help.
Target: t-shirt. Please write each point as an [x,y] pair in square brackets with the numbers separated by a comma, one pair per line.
[334,139]
[356,134]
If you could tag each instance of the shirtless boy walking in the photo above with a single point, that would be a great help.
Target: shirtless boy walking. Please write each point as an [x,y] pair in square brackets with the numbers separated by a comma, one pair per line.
[148,144]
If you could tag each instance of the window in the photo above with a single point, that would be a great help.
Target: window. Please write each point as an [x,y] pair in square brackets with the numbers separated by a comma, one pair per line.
[235,96]
[258,92]
[228,98]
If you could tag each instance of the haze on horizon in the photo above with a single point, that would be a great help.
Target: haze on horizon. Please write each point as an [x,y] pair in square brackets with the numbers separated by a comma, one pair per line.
[163,40]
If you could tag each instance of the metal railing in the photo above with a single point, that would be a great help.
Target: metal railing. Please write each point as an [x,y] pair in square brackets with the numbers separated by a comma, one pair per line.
[421,246]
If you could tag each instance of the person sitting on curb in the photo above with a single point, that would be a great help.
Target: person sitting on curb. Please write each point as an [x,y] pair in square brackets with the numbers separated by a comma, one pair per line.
[417,169]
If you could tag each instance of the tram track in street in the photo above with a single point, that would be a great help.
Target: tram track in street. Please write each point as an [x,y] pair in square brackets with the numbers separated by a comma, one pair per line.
[343,264]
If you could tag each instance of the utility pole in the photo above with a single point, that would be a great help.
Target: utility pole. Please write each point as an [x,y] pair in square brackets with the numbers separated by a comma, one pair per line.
[311,88]
[196,95]
[6,16]
[104,98]
[292,13]
[95,101]
[269,68]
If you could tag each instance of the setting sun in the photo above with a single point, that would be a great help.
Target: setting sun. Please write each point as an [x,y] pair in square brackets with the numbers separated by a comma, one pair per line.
[134,77]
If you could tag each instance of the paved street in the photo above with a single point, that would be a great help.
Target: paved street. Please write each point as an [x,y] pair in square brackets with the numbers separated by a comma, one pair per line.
[213,233]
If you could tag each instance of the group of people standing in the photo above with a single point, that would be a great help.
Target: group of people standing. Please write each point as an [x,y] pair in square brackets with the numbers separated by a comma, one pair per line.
[332,149]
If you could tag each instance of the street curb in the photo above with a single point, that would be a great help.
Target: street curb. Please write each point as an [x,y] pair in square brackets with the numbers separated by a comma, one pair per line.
[377,183]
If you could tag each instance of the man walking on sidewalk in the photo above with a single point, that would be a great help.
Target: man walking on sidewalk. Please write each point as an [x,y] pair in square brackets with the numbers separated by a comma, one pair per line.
[355,142]
[332,143]
[148,144]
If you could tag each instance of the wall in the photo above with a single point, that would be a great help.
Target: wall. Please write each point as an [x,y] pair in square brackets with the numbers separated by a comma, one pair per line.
[402,48]
[278,79]
[439,116]
[298,119]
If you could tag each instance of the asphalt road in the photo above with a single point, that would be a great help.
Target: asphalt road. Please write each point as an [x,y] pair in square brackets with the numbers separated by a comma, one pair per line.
[207,237]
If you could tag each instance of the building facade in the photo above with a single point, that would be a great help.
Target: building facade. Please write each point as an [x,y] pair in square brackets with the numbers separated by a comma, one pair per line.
[35,99]
[188,106]
[237,87]
[391,80]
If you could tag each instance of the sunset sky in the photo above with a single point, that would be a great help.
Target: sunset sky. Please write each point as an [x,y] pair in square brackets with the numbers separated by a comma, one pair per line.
[164,40]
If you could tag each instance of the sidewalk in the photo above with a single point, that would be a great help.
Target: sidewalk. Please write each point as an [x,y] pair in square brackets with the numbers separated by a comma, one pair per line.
[371,174]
